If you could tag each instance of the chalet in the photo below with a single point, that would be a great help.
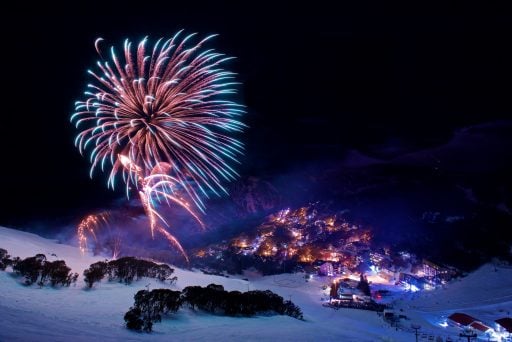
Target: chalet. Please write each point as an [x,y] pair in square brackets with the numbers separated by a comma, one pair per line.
[412,282]
[437,274]
[504,324]
[461,320]
[430,269]
[326,269]
[481,328]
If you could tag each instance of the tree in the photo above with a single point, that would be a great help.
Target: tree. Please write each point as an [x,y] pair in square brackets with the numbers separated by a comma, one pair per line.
[149,306]
[233,304]
[30,268]
[133,319]
[4,259]
[192,296]
[162,272]
[38,269]
[127,269]
[292,310]
[95,273]
[56,273]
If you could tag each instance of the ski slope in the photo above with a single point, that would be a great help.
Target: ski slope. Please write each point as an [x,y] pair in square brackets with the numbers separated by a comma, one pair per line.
[78,314]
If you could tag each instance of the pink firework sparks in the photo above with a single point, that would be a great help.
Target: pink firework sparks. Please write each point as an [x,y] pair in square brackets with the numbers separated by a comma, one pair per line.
[89,225]
[169,104]
[155,187]
[163,119]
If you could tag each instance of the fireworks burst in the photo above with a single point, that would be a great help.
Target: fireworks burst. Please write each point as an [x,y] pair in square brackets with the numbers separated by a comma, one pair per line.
[162,119]
[167,105]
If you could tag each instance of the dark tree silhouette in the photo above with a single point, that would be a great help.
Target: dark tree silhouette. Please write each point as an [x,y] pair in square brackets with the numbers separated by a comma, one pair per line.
[95,273]
[149,306]
[133,319]
[38,269]
[4,259]
[30,268]
[127,269]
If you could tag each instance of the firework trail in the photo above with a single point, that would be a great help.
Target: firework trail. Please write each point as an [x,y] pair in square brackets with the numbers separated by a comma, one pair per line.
[91,224]
[163,105]
[153,188]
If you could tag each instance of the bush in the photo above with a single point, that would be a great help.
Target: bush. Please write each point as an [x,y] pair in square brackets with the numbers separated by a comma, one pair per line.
[133,319]
[162,272]
[38,269]
[30,268]
[292,310]
[57,273]
[149,306]
[4,259]
[126,269]
[95,273]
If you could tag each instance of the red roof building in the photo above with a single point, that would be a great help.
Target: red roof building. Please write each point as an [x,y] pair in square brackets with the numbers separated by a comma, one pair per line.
[462,319]
[505,323]
[480,327]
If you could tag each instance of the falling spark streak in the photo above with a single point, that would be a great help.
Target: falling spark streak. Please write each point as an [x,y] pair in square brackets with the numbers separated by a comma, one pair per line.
[173,241]
[150,192]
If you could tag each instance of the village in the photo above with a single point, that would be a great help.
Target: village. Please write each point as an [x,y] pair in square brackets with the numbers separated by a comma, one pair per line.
[307,240]
[354,272]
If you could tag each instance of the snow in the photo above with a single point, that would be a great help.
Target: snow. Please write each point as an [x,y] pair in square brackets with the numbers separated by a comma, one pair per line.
[485,294]
[63,314]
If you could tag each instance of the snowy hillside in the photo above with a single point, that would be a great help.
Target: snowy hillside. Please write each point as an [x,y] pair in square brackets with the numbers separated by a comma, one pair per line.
[30,313]
[485,294]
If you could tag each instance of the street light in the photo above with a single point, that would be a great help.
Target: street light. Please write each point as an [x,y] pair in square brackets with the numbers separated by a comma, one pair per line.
[416,327]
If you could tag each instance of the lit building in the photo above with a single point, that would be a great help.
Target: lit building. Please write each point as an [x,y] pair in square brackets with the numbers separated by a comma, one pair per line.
[326,269]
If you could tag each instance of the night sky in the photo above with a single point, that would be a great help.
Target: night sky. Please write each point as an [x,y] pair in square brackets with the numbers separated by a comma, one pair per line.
[317,82]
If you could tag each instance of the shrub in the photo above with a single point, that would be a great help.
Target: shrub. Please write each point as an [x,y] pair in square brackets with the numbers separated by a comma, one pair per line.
[149,306]
[133,319]
[292,310]
[4,259]
[127,269]
[38,269]
[30,268]
[162,272]
[95,273]
[56,273]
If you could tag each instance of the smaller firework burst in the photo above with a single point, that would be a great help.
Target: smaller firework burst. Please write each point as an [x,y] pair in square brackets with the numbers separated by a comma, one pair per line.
[91,226]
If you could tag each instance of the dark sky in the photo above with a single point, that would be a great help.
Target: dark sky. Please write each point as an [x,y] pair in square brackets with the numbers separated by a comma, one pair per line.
[317,81]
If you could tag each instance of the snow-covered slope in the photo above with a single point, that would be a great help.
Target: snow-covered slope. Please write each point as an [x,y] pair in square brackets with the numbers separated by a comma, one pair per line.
[485,294]
[33,314]
[30,313]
